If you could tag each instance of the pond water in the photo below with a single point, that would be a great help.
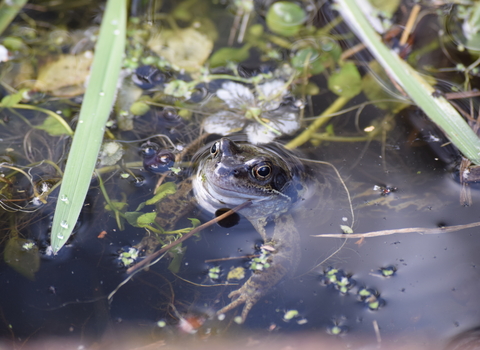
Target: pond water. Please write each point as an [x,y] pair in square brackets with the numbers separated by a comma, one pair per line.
[416,287]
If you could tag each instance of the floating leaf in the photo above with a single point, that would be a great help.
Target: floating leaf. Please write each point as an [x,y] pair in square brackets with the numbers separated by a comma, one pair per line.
[310,58]
[110,153]
[185,48]
[21,255]
[387,7]
[146,219]
[139,108]
[65,76]
[347,82]
[346,229]
[117,206]
[229,54]
[377,87]
[178,252]
[164,190]
[290,314]
[132,217]
[237,273]
[52,126]
[11,100]
[285,18]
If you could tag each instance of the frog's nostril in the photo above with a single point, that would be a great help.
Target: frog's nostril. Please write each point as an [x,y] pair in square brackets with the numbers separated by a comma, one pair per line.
[235,173]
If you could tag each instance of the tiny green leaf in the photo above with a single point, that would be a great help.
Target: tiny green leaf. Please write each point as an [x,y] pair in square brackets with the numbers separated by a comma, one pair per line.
[164,190]
[290,314]
[195,222]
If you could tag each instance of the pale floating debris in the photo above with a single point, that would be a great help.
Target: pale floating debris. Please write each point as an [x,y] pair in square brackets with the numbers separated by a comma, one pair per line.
[221,317]
[302,321]
[346,229]
[161,323]
[49,251]
[238,319]
[3,54]
[290,314]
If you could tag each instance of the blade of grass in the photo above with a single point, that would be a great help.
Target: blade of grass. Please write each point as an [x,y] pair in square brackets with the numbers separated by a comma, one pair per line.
[96,107]
[8,11]
[438,109]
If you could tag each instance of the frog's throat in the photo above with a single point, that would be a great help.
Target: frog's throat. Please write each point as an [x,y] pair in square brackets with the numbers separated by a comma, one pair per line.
[211,197]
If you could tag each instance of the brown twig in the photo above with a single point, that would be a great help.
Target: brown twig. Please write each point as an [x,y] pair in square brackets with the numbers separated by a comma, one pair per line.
[421,230]
[153,256]
[410,24]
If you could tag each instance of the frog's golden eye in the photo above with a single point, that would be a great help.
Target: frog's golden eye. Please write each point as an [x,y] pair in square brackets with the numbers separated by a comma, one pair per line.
[214,149]
[262,171]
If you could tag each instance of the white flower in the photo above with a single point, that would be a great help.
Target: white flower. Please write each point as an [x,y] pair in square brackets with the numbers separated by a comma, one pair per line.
[259,113]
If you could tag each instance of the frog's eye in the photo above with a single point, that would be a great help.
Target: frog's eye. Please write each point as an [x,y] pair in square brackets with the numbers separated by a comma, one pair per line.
[262,171]
[214,149]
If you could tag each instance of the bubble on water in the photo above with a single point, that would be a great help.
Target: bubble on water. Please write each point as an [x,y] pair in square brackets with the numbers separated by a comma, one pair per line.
[64,199]
[64,224]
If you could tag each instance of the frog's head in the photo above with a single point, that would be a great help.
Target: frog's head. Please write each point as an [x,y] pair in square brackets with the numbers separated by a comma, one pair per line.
[230,173]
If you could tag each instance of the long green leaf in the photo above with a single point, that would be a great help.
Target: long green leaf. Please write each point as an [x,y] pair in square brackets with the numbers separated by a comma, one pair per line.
[438,109]
[8,11]
[96,107]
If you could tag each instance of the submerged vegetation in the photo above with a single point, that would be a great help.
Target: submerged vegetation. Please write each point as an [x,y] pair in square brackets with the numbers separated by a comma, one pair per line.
[92,111]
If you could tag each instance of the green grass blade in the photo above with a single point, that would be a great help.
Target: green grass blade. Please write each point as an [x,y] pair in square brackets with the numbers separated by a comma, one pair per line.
[438,109]
[8,11]
[96,107]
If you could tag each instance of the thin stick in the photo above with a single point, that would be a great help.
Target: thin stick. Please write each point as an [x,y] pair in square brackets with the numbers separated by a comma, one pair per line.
[421,230]
[410,23]
[377,332]
[188,235]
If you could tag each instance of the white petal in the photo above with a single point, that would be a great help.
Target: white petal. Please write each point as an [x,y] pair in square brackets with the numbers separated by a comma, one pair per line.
[271,93]
[258,134]
[223,123]
[235,95]
[284,121]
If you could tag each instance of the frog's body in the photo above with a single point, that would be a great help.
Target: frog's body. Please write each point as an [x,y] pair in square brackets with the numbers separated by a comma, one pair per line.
[275,182]
[280,188]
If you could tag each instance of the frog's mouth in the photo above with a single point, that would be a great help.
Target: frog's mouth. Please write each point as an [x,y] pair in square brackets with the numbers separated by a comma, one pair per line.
[212,197]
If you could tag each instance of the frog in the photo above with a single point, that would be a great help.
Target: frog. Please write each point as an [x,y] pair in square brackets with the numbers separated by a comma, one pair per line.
[279,187]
